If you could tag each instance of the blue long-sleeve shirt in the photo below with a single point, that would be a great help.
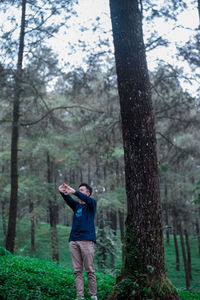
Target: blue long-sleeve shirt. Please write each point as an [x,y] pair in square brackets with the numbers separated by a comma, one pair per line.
[83,219]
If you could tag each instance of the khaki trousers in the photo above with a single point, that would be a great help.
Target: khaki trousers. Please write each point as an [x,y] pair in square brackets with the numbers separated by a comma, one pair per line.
[82,253]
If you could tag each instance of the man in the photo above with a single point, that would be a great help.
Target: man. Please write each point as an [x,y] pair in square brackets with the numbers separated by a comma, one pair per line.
[82,237]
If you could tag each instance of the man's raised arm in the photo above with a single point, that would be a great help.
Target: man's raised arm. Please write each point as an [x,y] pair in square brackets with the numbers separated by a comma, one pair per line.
[87,199]
[63,189]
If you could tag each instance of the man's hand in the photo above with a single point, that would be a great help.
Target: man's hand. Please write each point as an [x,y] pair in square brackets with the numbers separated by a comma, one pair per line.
[62,188]
[70,190]
[66,189]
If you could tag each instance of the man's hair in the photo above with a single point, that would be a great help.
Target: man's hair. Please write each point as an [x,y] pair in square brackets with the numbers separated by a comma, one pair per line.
[89,188]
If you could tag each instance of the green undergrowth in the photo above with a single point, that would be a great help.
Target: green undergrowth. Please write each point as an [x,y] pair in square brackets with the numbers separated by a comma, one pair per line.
[178,277]
[43,253]
[30,278]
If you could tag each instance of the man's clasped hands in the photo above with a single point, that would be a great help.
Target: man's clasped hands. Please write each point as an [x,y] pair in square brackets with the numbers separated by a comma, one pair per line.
[66,189]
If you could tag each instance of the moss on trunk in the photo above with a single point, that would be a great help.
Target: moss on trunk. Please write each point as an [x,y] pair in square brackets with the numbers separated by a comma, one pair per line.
[142,287]
[139,280]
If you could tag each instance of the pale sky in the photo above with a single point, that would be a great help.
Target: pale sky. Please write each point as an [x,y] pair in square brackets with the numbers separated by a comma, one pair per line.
[89,10]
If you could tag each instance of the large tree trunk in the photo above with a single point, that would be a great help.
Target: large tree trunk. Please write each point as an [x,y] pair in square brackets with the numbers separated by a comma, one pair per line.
[11,233]
[143,272]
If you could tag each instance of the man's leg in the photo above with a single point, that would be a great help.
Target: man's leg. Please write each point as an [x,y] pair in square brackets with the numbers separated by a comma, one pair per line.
[87,250]
[77,263]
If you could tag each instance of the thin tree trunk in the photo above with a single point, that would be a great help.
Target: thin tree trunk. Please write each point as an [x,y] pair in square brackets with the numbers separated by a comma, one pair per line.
[198,233]
[121,225]
[54,233]
[166,213]
[176,248]
[11,233]
[81,176]
[72,176]
[3,204]
[102,251]
[89,173]
[187,278]
[188,254]
[52,214]
[97,172]
[31,207]
[113,217]
[105,172]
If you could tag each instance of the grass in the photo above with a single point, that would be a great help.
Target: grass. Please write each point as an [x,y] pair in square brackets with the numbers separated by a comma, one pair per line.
[23,278]
[178,277]
[31,278]
[13,268]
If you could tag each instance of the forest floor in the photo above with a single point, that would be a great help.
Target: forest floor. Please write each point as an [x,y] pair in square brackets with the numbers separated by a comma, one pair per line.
[23,278]
[19,274]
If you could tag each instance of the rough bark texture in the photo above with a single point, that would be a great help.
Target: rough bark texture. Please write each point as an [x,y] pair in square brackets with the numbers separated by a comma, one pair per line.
[11,233]
[143,273]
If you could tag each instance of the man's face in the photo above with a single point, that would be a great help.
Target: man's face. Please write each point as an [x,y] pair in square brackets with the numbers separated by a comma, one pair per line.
[84,190]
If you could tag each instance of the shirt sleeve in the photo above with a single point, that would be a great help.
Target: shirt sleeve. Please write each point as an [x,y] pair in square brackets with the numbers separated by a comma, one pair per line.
[70,201]
[91,202]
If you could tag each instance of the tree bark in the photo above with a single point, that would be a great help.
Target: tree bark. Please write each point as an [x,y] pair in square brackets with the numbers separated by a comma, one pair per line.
[102,251]
[31,206]
[121,225]
[166,213]
[187,278]
[11,233]
[176,249]
[3,204]
[143,267]
[198,234]
[89,173]
[52,215]
[188,254]
[113,218]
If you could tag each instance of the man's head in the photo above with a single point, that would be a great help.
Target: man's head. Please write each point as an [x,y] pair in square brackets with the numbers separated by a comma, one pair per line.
[85,189]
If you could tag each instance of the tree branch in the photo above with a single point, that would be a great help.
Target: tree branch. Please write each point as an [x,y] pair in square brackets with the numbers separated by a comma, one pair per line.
[170,142]
[24,123]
